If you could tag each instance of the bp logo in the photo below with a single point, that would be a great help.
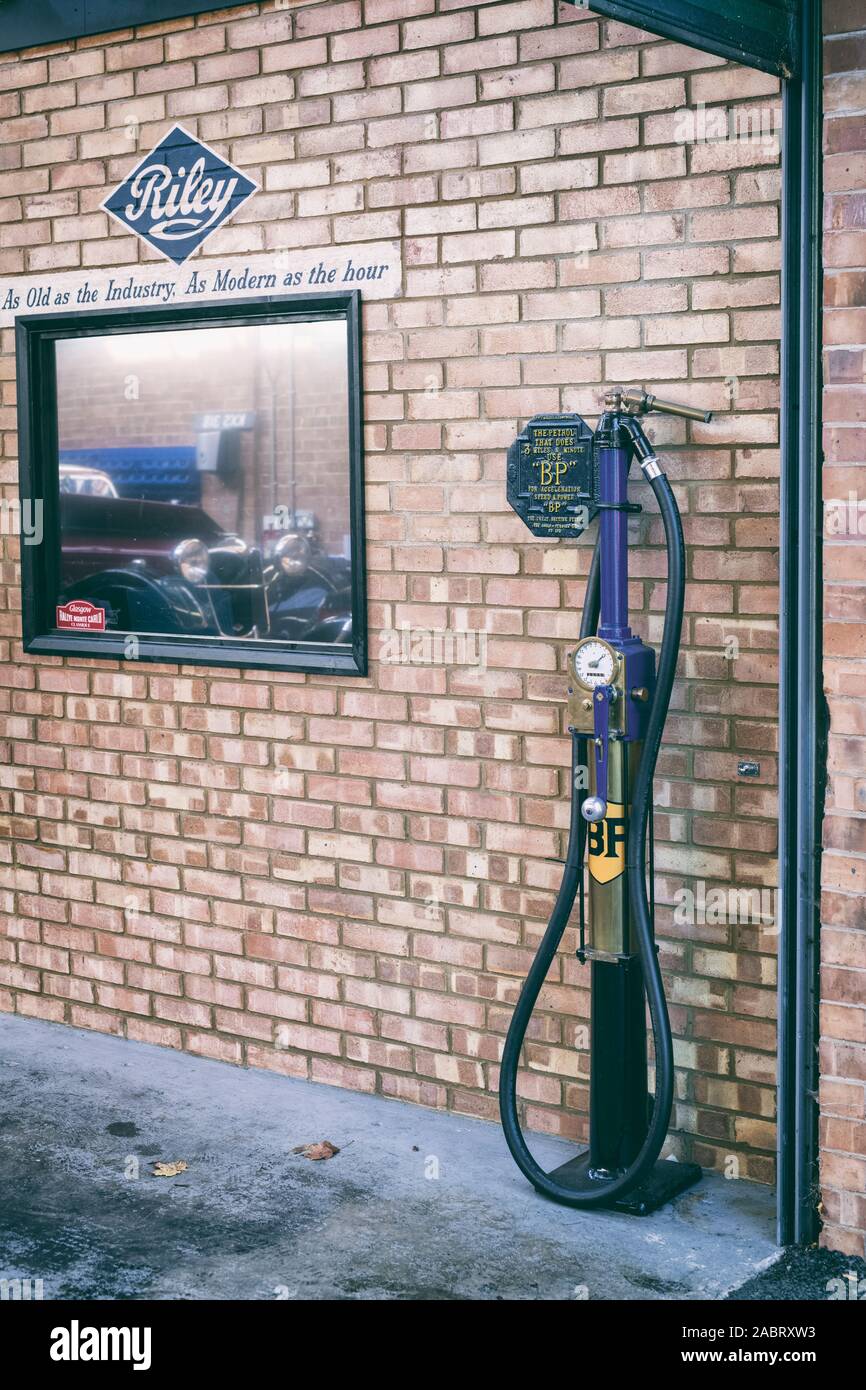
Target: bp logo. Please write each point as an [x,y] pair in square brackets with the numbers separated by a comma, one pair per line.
[606,844]
[179,193]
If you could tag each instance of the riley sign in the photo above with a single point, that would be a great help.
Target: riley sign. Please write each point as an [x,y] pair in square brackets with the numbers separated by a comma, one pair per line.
[179,193]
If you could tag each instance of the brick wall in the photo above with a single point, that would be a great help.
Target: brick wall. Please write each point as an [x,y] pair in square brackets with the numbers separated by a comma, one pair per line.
[843,936]
[345,879]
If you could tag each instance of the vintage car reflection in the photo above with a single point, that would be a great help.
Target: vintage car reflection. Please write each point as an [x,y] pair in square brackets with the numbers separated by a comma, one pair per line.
[76,478]
[156,567]
[307,586]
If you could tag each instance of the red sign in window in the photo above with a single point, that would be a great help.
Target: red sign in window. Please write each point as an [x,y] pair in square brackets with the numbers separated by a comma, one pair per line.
[80,616]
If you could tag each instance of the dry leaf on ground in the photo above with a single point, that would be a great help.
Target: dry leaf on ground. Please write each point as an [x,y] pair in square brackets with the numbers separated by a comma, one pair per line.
[169,1170]
[316,1152]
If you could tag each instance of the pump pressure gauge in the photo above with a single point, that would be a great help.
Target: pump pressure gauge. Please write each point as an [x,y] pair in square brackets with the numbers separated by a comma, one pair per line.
[594,662]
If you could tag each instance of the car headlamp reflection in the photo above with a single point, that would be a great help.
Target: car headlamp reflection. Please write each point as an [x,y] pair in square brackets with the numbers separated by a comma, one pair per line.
[292,554]
[193,560]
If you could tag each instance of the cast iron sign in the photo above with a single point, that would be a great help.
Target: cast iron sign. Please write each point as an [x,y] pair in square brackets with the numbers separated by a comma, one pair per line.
[549,479]
[179,193]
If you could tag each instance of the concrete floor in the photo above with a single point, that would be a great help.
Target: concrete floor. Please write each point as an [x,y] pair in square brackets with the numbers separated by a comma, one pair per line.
[418,1205]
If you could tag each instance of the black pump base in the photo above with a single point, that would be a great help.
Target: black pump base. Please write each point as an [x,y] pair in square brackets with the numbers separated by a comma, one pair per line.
[664,1181]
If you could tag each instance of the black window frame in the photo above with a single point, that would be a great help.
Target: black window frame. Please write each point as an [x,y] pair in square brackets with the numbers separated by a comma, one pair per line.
[36,335]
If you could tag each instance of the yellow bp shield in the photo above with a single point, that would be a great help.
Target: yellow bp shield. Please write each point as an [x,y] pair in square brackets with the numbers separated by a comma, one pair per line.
[606,844]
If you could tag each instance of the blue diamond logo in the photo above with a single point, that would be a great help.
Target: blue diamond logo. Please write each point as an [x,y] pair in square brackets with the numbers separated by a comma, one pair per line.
[179,193]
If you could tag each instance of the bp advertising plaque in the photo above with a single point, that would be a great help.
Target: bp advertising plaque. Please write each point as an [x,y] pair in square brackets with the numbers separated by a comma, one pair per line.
[550,480]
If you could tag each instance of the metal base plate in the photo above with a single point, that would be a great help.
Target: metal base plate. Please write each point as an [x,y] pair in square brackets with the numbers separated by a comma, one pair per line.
[664,1181]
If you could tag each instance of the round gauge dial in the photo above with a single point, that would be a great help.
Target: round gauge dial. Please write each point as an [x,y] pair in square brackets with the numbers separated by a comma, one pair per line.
[594,663]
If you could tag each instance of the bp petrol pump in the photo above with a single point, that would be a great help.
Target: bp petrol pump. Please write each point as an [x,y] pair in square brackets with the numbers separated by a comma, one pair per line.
[561,474]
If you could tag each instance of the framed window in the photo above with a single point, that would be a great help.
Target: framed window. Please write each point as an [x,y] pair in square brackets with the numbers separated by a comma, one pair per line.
[192,484]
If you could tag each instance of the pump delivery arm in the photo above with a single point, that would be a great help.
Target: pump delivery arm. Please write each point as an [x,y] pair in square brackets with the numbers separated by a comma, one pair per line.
[627,406]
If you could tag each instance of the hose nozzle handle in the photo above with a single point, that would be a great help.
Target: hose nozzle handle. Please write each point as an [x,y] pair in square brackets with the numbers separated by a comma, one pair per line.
[638,402]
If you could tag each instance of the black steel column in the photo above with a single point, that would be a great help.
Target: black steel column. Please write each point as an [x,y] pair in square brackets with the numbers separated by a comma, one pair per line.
[802,710]
[618,1076]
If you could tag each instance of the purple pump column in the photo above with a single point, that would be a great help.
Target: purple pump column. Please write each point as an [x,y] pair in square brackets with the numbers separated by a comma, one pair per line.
[612,487]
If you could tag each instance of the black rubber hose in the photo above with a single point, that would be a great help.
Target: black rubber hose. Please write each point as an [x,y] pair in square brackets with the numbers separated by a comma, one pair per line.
[609,1191]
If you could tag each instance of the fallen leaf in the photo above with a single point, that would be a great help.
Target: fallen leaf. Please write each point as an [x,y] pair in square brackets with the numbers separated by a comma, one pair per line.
[169,1170]
[316,1152]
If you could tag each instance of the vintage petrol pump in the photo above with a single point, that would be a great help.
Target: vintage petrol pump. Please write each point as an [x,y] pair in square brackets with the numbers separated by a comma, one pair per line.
[561,475]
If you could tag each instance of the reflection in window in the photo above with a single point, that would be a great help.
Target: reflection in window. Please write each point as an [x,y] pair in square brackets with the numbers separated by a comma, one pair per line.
[204,480]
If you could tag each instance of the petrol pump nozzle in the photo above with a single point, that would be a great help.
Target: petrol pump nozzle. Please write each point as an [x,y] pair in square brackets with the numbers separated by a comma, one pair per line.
[636,401]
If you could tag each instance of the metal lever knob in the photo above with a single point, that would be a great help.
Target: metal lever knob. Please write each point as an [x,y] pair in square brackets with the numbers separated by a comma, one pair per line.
[594,808]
